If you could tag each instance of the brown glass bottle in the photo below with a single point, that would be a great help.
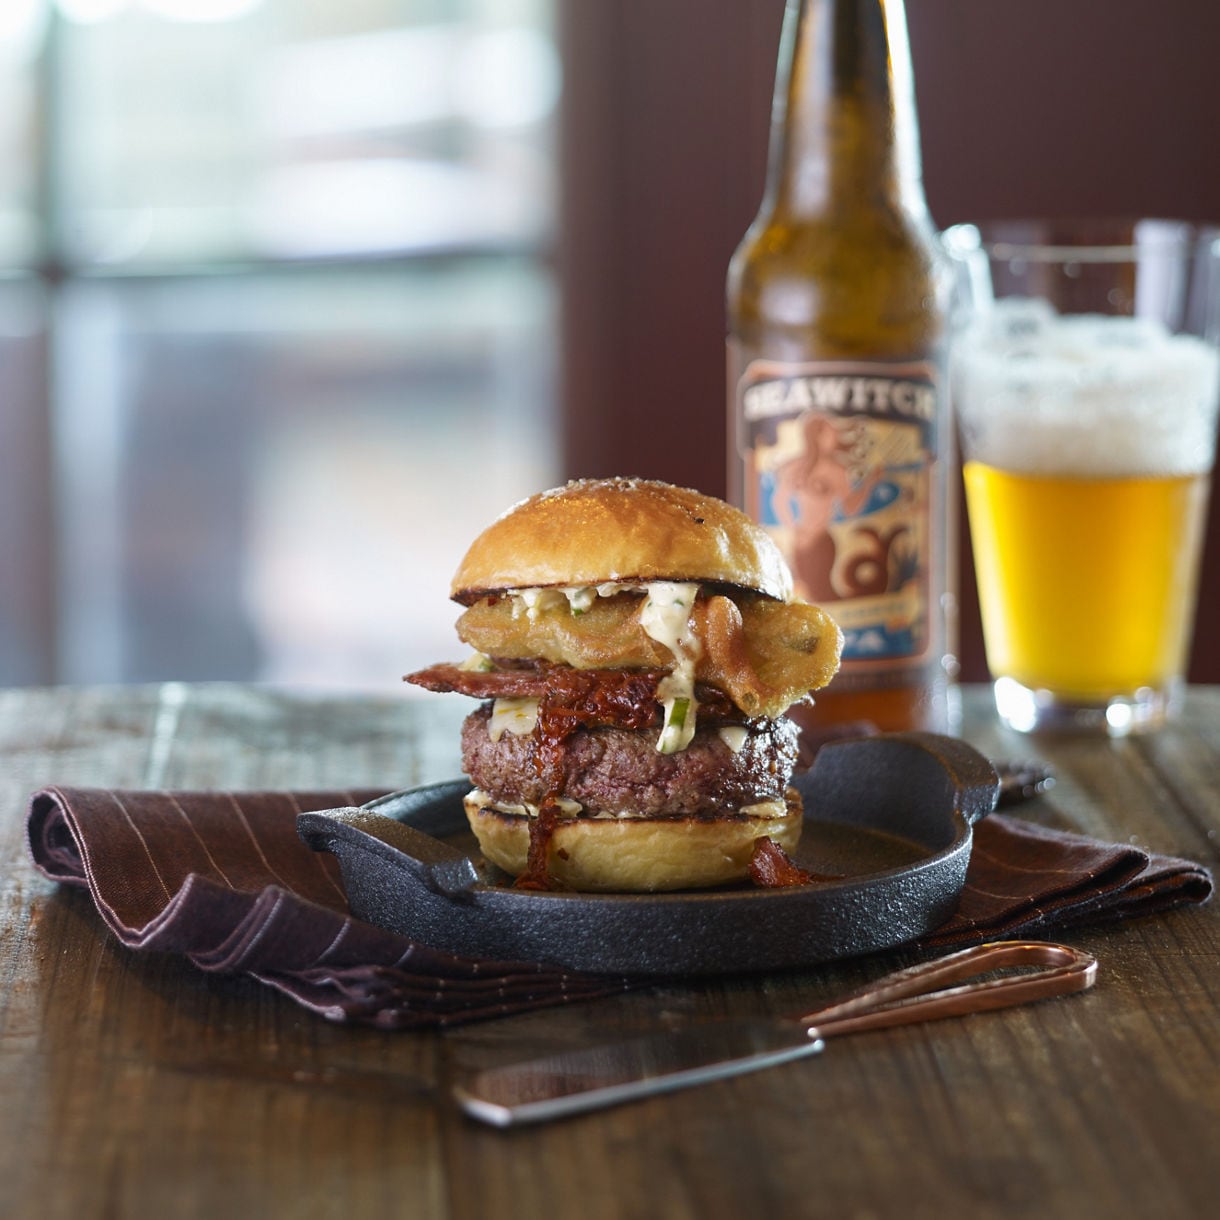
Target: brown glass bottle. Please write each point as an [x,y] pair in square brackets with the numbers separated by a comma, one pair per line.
[839,437]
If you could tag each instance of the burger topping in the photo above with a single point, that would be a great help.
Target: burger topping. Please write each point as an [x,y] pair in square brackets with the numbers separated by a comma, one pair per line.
[566,808]
[772,868]
[513,715]
[666,616]
[619,772]
[678,726]
[578,598]
[734,736]
[764,654]
[627,698]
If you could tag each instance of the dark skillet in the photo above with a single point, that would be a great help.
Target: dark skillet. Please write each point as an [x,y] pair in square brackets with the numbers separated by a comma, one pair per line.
[889,815]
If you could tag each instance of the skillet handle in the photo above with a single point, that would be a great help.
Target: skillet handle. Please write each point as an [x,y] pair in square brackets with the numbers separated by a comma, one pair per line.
[866,779]
[432,864]
[975,777]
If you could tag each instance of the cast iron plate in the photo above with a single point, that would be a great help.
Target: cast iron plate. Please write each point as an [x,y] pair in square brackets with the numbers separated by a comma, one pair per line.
[893,814]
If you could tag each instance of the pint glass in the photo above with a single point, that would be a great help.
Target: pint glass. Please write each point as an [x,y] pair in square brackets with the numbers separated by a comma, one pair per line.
[1085,378]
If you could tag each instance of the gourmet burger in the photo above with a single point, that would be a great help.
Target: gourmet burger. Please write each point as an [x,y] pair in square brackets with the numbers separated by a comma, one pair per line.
[636,646]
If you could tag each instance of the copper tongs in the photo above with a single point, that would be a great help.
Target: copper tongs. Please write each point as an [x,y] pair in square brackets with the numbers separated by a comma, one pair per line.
[922,993]
[571,1081]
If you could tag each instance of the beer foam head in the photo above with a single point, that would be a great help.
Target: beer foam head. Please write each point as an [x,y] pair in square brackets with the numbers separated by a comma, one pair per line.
[1084,394]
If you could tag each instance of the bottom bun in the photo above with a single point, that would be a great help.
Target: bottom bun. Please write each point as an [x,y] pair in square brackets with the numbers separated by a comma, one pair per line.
[636,854]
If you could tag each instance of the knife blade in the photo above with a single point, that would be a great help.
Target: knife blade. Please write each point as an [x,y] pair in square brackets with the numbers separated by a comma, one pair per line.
[587,1078]
[591,1077]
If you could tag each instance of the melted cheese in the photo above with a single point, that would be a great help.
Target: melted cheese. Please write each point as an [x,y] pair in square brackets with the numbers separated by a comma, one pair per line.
[570,809]
[567,808]
[734,736]
[518,716]
[777,808]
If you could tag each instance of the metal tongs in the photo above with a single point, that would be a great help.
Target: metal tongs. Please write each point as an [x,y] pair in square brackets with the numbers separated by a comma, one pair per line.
[569,1082]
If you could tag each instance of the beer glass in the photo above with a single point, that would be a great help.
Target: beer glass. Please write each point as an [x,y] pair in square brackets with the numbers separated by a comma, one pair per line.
[1085,373]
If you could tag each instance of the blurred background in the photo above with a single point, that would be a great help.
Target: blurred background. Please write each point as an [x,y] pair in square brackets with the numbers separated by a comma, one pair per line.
[296,295]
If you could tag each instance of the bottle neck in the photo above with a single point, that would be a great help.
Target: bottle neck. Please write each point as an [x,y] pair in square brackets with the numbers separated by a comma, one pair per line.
[844,129]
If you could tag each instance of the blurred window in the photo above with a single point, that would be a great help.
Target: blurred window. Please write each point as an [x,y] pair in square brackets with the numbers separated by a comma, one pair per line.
[277,333]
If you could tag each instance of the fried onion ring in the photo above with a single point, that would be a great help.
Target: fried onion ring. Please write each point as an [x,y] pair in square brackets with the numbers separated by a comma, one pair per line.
[764,654]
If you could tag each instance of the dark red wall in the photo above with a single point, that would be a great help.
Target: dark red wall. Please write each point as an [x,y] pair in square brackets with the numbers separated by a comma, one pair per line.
[1039,108]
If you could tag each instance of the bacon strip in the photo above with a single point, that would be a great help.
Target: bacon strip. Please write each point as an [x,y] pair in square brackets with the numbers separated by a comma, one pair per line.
[626,698]
[480,684]
[772,868]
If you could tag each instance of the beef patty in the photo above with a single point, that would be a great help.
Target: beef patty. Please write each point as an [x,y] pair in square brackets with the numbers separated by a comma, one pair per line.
[621,771]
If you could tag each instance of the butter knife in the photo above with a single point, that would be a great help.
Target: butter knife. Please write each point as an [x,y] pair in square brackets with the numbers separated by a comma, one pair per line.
[569,1082]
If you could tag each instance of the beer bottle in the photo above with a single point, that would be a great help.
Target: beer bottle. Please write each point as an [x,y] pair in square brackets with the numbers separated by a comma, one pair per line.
[839,440]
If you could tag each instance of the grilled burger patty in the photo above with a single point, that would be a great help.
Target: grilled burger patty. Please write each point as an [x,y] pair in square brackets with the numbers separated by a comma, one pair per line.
[621,771]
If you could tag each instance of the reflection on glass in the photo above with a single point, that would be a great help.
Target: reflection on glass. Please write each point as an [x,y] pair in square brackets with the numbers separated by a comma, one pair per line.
[22,28]
[215,463]
[274,478]
[301,131]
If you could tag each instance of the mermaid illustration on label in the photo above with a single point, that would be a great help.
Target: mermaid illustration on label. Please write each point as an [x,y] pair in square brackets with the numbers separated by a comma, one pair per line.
[848,494]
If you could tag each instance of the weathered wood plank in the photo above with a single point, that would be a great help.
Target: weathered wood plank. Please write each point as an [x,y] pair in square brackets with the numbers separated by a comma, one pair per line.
[133,1085]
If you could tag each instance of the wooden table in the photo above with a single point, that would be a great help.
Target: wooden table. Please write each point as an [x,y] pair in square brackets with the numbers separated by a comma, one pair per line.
[135,1086]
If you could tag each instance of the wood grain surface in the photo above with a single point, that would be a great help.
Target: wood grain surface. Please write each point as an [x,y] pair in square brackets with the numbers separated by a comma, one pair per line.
[132,1085]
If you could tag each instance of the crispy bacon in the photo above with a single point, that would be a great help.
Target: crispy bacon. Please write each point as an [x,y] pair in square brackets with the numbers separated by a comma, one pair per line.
[480,684]
[622,698]
[772,868]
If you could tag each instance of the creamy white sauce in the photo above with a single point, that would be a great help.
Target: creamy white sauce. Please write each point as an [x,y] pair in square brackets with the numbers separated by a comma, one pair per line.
[580,597]
[577,598]
[665,616]
[567,808]
[734,736]
[777,808]
[515,715]
[533,602]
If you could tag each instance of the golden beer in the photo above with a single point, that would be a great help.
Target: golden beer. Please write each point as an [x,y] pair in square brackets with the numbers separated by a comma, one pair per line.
[1086,380]
[1086,584]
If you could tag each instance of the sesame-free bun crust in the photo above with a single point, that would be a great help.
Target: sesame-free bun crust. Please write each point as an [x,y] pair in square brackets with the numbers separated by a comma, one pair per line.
[594,531]
[636,855]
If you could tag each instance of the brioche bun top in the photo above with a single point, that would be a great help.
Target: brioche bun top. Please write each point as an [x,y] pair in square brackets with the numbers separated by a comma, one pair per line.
[594,531]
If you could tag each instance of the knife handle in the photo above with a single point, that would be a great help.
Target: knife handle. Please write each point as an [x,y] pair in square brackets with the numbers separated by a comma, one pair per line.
[925,993]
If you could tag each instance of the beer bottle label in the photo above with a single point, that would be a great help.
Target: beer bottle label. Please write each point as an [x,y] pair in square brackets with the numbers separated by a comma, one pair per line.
[839,463]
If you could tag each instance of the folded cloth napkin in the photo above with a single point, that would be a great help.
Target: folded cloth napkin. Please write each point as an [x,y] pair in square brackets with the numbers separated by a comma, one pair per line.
[222,878]
[1024,880]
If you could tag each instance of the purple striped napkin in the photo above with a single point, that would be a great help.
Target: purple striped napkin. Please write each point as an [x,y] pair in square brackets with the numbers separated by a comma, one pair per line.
[223,879]
[1025,880]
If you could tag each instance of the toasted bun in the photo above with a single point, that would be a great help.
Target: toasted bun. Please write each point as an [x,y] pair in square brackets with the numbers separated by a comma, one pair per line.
[636,854]
[598,530]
